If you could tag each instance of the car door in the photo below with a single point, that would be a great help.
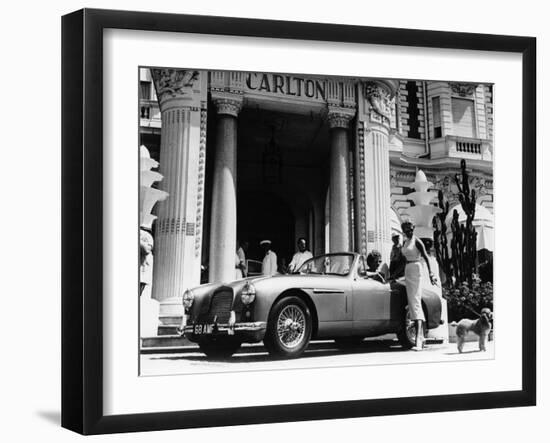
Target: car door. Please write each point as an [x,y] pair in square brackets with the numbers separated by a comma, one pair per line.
[371,303]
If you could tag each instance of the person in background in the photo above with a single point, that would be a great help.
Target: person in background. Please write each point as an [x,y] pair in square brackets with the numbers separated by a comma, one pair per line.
[240,261]
[485,268]
[269,263]
[374,262]
[299,257]
[397,261]
[428,245]
[146,260]
[282,268]
[413,250]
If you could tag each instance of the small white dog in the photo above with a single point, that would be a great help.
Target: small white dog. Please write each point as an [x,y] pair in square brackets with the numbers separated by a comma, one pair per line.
[481,327]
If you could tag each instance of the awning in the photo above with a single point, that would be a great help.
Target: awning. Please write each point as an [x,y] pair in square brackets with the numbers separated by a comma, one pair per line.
[483,222]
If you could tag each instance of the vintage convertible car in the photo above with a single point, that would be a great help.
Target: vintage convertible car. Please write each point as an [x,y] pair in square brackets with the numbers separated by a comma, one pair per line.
[332,297]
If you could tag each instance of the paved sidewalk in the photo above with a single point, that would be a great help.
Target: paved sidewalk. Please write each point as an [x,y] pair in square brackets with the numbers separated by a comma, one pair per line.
[189,360]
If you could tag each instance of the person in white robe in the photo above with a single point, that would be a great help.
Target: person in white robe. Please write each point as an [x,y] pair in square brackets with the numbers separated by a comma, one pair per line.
[269,263]
[301,256]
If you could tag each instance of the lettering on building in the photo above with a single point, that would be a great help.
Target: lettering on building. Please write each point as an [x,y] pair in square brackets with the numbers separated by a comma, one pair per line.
[286,85]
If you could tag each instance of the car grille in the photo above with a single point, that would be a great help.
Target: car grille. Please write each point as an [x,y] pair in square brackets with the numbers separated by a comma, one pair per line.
[220,307]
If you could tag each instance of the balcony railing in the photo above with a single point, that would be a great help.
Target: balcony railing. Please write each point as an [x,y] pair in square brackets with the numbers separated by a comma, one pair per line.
[461,147]
[149,113]
[472,147]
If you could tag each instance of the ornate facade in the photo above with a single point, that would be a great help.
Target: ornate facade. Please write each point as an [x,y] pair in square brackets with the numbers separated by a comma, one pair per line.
[282,156]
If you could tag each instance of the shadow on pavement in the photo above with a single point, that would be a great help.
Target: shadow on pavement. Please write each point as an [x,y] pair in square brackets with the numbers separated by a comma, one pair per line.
[259,353]
[473,351]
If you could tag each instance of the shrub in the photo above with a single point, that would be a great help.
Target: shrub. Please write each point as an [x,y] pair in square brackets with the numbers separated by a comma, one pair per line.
[466,302]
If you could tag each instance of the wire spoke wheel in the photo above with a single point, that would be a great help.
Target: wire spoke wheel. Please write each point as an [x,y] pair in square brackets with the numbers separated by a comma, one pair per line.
[291,326]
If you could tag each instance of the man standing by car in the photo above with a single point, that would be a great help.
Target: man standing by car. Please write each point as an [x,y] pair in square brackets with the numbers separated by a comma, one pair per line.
[269,263]
[241,258]
[397,260]
[299,257]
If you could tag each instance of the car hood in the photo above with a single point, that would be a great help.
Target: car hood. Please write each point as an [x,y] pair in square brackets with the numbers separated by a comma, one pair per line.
[282,282]
[278,283]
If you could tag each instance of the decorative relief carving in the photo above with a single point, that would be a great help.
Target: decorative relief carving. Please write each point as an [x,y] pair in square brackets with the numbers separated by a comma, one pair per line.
[340,117]
[172,225]
[480,185]
[444,183]
[362,216]
[228,105]
[349,99]
[174,82]
[393,178]
[463,89]
[380,99]
[404,176]
[201,179]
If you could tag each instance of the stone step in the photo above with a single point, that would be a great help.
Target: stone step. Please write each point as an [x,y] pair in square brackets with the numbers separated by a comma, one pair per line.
[170,320]
[168,330]
[171,307]
[165,341]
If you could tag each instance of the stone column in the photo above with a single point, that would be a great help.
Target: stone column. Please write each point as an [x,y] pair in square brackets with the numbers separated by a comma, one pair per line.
[373,168]
[223,229]
[182,100]
[339,200]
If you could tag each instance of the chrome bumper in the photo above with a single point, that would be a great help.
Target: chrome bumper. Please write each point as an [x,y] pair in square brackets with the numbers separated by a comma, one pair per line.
[228,328]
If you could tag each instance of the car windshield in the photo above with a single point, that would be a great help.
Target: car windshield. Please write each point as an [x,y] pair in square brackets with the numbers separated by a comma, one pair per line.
[330,264]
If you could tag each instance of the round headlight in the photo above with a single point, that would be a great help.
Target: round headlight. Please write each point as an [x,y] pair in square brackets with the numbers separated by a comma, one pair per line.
[248,293]
[188,298]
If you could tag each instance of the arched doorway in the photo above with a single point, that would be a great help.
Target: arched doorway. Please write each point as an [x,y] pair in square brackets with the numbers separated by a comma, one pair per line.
[282,176]
[264,215]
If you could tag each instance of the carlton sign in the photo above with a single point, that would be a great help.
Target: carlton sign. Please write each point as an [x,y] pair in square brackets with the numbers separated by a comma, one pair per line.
[287,85]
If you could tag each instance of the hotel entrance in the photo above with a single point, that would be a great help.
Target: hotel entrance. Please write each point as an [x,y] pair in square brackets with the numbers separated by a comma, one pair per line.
[255,156]
[282,180]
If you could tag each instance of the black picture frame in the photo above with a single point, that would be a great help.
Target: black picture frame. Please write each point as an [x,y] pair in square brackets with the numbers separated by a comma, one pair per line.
[82,220]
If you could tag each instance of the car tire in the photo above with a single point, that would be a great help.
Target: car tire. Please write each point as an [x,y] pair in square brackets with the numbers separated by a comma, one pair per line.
[289,328]
[219,347]
[348,342]
[407,332]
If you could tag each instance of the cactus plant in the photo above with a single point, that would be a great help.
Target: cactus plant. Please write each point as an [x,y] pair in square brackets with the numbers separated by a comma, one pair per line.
[457,260]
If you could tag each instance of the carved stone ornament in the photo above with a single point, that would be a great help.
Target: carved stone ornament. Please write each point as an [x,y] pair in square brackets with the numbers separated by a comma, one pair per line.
[379,98]
[174,82]
[480,185]
[228,106]
[339,117]
[393,178]
[444,183]
[463,89]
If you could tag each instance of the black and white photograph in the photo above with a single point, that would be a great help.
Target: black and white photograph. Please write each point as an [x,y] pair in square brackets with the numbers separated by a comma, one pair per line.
[292,220]
[261,221]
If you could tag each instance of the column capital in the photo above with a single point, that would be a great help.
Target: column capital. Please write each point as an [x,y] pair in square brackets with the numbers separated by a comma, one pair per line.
[176,87]
[339,117]
[227,103]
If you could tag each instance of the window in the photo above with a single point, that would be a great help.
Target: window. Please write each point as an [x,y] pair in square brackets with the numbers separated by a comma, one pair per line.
[463,117]
[412,110]
[145,112]
[145,90]
[436,111]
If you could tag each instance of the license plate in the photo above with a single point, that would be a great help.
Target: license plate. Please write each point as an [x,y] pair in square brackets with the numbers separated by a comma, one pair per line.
[202,329]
